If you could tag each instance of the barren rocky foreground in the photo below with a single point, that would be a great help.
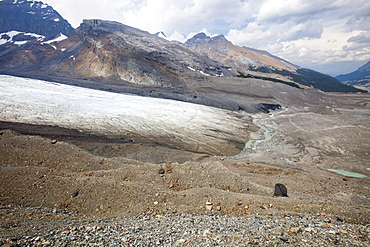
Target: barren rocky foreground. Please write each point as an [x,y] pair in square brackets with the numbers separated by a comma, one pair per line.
[57,181]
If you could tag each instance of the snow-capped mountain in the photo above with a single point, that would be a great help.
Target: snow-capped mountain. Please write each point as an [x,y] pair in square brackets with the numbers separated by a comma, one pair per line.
[23,21]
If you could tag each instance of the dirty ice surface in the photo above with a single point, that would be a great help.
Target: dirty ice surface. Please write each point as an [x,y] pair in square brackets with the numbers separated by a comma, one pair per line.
[40,102]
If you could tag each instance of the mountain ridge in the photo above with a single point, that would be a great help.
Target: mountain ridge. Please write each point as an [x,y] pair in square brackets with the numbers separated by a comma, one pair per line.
[132,55]
[253,62]
[213,46]
[113,52]
[359,77]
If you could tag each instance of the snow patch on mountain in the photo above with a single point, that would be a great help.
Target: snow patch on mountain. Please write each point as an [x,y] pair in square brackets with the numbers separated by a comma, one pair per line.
[60,37]
[161,35]
[203,73]
[31,3]
[9,37]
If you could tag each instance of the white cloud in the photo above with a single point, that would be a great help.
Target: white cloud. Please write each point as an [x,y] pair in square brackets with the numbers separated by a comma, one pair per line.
[319,31]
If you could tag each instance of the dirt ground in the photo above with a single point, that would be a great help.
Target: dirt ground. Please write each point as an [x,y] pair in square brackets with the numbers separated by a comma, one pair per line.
[92,176]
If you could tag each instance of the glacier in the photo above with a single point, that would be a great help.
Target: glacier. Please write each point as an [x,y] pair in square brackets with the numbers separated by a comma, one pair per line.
[171,123]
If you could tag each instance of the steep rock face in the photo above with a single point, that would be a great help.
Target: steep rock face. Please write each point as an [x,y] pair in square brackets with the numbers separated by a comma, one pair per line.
[360,77]
[32,17]
[261,64]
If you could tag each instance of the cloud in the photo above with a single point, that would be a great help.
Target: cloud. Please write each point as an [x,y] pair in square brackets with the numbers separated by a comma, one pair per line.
[363,37]
[156,15]
[309,33]
[188,16]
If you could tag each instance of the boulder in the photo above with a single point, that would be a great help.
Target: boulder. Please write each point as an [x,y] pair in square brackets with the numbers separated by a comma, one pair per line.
[280,190]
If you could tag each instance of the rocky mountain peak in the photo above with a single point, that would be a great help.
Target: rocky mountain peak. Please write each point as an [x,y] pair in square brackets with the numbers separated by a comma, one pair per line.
[112,51]
[198,36]
[202,38]
[238,58]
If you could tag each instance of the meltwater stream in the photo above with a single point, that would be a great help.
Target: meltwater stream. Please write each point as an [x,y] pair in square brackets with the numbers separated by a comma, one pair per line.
[267,134]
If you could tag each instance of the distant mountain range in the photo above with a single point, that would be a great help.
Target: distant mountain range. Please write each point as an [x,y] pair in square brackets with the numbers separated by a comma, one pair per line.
[261,64]
[33,39]
[360,77]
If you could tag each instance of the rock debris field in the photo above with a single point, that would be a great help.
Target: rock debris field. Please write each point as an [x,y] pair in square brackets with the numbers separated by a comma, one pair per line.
[185,230]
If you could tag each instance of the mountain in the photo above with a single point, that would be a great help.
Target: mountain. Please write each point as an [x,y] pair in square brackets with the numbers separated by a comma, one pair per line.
[111,51]
[32,17]
[360,77]
[238,58]
[116,54]
[255,63]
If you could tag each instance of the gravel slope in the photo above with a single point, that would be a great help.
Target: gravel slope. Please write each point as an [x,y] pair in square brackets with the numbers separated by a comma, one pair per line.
[178,230]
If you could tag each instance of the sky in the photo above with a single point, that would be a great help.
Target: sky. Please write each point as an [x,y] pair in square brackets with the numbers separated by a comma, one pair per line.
[330,36]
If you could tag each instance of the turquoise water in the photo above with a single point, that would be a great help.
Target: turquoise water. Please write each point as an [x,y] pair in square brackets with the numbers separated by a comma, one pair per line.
[348,174]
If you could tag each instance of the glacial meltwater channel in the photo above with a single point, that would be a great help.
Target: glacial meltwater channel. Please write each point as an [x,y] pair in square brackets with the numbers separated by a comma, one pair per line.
[267,133]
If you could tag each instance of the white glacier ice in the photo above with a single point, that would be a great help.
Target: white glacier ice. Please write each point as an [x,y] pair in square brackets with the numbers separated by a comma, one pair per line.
[169,122]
